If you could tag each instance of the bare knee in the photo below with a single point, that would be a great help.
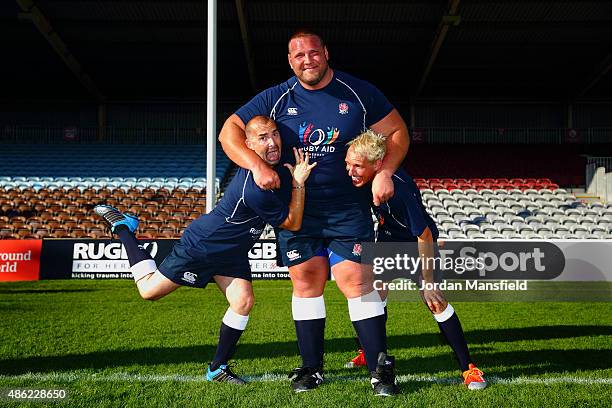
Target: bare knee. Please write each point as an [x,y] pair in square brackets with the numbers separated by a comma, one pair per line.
[356,285]
[242,303]
[155,286]
[148,294]
[309,278]
[239,295]
[307,289]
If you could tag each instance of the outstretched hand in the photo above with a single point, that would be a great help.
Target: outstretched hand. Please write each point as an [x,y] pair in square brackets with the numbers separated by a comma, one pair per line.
[302,168]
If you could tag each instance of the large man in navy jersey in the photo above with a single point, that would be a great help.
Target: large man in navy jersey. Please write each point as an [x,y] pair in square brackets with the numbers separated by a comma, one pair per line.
[319,110]
[215,246]
[404,219]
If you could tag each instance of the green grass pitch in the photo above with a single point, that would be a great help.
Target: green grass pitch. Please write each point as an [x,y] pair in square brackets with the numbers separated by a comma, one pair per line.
[109,348]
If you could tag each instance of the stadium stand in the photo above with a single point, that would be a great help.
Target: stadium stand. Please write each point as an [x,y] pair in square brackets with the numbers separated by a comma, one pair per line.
[497,209]
[47,191]
[462,208]
[103,165]
[52,188]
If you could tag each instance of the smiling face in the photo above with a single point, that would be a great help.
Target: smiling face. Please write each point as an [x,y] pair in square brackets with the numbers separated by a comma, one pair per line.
[264,139]
[359,168]
[308,60]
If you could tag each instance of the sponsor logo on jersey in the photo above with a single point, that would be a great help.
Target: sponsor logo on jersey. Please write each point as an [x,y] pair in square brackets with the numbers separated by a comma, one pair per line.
[255,232]
[189,277]
[292,111]
[343,108]
[357,249]
[293,255]
[317,142]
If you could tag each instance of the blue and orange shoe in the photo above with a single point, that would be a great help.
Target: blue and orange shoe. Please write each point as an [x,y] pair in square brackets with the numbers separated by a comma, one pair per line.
[114,218]
[473,378]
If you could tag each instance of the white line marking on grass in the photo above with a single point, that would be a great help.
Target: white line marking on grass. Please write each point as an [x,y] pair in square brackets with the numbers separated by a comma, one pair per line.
[551,380]
[269,377]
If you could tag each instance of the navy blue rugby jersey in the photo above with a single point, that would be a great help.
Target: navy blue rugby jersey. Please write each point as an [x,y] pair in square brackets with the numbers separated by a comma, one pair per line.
[233,226]
[404,217]
[322,122]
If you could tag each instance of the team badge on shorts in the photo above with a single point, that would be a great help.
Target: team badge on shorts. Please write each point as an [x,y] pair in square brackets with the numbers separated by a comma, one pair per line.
[343,108]
[189,277]
[293,255]
[357,249]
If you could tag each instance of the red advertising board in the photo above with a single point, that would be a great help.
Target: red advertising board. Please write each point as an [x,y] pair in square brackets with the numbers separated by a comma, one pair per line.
[20,259]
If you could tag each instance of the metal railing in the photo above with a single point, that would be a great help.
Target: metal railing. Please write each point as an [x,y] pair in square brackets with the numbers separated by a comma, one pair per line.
[447,135]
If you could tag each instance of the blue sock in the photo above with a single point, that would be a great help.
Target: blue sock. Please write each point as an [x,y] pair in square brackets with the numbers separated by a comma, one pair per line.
[310,338]
[372,337]
[309,317]
[134,249]
[367,313]
[452,331]
[232,326]
[357,338]
[228,339]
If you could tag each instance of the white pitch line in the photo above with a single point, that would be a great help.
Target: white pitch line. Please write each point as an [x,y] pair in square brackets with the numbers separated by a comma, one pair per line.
[404,378]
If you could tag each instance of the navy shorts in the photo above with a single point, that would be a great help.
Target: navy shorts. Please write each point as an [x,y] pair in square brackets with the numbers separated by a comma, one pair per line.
[341,231]
[189,267]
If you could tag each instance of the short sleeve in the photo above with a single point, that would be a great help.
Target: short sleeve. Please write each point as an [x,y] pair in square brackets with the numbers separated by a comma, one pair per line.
[261,104]
[267,205]
[414,211]
[377,105]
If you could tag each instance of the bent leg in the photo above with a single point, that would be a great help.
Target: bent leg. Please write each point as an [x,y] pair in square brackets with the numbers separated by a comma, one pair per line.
[238,292]
[155,286]
[151,283]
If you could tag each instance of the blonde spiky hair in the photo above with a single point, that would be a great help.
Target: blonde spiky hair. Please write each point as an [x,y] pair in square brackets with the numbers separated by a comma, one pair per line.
[370,145]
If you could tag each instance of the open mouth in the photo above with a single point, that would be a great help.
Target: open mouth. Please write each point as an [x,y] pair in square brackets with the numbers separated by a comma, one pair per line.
[356,179]
[273,155]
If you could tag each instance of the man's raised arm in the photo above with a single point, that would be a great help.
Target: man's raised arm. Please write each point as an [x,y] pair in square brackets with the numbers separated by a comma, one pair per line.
[232,138]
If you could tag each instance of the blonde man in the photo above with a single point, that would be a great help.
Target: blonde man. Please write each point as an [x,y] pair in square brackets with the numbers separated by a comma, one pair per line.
[404,219]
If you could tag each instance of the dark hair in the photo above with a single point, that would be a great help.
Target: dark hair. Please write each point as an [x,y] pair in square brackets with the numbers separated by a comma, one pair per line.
[305,32]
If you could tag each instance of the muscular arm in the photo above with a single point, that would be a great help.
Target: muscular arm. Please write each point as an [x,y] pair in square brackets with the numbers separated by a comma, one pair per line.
[395,129]
[232,138]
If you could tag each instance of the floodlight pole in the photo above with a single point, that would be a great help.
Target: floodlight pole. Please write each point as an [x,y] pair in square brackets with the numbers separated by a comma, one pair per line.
[211,105]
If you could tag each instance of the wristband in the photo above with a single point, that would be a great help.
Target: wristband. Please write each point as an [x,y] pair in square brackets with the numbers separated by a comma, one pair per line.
[298,187]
